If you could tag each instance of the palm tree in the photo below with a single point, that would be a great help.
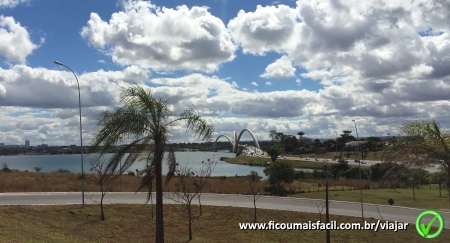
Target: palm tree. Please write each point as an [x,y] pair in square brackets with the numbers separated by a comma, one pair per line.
[423,143]
[146,122]
[300,134]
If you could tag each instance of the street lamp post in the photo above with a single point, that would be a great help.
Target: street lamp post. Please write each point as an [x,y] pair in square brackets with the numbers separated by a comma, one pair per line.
[360,186]
[81,134]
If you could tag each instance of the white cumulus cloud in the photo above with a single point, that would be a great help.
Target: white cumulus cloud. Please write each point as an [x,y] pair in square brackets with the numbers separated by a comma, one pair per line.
[281,68]
[162,38]
[15,42]
[11,3]
[267,28]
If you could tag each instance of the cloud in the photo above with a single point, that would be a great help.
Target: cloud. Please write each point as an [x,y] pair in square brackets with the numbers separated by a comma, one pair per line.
[380,62]
[268,28]
[2,92]
[16,44]
[162,38]
[254,84]
[11,3]
[281,68]
[43,88]
[377,39]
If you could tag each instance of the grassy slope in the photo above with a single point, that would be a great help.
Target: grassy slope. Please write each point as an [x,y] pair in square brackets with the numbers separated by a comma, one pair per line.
[133,223]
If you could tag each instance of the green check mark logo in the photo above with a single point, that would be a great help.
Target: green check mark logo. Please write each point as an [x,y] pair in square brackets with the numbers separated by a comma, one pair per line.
[425,231]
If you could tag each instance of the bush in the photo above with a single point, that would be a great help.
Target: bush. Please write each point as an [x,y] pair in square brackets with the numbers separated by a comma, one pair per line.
[5,168]
[253,176]
[65,171]
[277,190]
[130,173]
[280,171]
[299,175]
[315,174]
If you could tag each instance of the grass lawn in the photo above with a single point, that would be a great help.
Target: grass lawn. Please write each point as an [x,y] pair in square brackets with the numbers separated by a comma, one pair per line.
[133,223]
[425,197]
[258,161]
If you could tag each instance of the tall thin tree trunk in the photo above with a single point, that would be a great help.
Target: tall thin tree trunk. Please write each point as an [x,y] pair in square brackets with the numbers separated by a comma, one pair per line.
[440,195]
[101,206]
[159,193]
[190,221]
[254,205]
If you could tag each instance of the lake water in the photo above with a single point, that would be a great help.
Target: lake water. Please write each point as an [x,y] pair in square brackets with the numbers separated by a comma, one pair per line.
[72,162]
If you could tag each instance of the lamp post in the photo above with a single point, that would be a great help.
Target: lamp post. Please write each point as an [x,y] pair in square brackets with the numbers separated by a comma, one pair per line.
[81,134]
[360,187]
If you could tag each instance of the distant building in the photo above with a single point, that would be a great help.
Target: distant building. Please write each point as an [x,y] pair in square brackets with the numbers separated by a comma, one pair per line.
[2,144]
[27,143]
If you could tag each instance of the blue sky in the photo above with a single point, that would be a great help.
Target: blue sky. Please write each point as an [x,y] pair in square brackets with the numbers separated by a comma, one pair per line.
[289,66]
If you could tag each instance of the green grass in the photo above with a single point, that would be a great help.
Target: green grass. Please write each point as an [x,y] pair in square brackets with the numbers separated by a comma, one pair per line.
[133,223]
[425,197]
[258,161]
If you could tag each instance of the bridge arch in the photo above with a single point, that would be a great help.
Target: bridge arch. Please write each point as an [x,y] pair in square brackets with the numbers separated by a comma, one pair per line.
[232,144]
[239,138]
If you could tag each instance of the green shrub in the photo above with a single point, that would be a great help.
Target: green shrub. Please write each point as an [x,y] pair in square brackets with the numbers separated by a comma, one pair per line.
[5,168]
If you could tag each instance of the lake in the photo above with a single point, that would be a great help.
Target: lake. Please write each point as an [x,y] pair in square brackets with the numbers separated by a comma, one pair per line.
[72,162]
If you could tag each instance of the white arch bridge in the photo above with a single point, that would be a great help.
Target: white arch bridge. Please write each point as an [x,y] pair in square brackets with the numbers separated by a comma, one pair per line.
[235,141]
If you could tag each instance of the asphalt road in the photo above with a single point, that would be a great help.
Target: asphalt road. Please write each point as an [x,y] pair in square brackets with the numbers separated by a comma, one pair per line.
[390,213]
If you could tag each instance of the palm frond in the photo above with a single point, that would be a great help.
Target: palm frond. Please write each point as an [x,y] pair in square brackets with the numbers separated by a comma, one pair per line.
[202,130]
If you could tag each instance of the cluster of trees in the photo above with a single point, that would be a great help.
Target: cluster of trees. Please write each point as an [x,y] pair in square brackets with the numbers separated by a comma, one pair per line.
[389,173]
[305,145]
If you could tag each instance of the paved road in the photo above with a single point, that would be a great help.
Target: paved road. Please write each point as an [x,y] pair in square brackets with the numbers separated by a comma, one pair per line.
[391,213]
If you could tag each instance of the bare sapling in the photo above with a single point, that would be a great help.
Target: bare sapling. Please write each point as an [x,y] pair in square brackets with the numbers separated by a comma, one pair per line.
[190,183]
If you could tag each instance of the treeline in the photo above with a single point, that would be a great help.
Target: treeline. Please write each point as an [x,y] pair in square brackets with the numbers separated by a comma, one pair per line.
[304,145]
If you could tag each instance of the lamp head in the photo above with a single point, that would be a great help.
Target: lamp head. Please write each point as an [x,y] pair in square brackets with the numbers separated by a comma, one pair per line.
[59,63]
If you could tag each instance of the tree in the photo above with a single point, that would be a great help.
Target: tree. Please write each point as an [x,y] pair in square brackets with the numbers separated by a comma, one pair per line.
[103,177]
[395,174]
[190,185]
[317,143]
[423,143]
[274,152]
[273,135]
[146,122]
[278,172]
[255,189]
[300,135]
[439,177]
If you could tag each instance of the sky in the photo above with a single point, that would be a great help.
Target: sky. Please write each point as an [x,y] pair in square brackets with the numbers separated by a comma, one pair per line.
[290,66]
